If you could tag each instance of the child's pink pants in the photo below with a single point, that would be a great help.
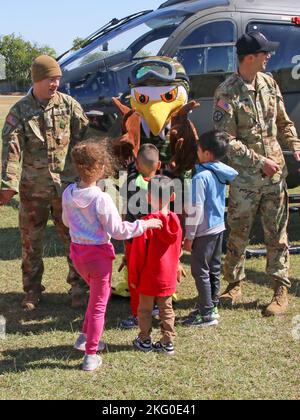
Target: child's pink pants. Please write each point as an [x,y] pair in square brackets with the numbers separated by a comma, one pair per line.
[94,264]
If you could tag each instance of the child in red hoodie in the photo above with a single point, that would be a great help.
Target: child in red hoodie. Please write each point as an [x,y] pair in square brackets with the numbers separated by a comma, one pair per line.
[153,267]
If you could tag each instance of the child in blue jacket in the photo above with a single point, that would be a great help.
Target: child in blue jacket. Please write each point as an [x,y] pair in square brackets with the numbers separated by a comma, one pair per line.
[206,225]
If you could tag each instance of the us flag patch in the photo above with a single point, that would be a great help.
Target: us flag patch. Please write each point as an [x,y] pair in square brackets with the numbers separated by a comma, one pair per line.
[224,105]
[11,120]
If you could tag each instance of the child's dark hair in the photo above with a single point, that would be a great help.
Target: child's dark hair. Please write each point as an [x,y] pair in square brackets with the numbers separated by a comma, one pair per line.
[214,143]
[162,188]
[148,155]
[89,156]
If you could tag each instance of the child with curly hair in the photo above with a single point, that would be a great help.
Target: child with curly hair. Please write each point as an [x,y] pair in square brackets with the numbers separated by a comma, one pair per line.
[93,220]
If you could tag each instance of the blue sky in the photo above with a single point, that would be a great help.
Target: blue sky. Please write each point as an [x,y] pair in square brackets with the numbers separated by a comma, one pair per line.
[57,22]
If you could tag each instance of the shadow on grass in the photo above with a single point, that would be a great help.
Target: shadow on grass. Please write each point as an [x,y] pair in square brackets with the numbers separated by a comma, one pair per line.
[38,358]
[10,244]
[185,304]
[246,306]
[190,304]
[55,314]
[57,357]
[257,278]
[262,279]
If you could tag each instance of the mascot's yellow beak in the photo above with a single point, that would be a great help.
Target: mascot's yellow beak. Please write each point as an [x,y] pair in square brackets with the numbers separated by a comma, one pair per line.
[158,114]
[156,105]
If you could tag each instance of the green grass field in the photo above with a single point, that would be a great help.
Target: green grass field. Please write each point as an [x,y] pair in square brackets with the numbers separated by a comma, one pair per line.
[246,357]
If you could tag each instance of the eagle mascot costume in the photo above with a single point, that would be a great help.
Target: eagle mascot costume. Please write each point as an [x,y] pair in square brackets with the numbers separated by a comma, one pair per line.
[159,114]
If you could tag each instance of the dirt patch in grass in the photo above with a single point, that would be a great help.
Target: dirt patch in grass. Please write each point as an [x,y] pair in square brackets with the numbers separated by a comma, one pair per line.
[7,101]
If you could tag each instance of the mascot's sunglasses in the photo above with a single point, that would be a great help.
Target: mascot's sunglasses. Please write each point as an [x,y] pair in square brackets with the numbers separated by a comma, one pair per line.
[157,70]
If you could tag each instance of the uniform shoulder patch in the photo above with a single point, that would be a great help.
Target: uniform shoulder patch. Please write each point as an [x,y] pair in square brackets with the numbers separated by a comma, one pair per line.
[11,120]
[218,116]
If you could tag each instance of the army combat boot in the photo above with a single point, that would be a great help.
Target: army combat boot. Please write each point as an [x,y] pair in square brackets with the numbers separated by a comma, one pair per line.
[232,294]
[32,300]
[279,303]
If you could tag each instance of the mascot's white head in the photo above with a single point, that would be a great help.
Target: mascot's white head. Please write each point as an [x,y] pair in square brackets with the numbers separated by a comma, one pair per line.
[159,88]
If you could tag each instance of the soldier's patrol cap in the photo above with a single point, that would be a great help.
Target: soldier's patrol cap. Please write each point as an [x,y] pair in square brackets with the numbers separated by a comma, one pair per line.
[255,42]
[45,67]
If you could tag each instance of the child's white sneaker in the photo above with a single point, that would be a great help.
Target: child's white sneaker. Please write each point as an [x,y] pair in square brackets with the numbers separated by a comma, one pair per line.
[80,344]
[91,362]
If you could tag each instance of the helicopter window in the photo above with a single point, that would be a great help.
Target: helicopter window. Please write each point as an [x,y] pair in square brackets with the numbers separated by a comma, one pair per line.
[150,50]
[149,44]
[218,32]
[203,51]
[219,59]
[123,40]
[207,60]
[192,59]
[285,64]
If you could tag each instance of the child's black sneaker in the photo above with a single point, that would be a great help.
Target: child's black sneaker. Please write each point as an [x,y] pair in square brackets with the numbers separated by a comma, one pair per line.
[164,348]
[145,346]
[191,317]
[196,320]
[155,312]
[129,323]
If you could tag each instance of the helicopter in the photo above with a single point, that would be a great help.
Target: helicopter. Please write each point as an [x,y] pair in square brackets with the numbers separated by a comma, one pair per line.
[201,34]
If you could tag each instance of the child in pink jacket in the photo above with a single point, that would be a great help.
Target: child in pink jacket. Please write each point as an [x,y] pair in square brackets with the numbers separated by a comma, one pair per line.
[93,220]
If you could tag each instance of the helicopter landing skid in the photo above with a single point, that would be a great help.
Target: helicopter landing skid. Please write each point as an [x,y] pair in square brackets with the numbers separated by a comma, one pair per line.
[258,253]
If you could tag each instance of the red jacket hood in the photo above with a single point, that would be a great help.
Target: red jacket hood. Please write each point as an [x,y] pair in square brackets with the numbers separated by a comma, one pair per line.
[170,230]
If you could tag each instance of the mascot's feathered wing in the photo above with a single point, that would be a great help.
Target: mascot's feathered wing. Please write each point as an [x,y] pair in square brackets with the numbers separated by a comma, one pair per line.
[159,113]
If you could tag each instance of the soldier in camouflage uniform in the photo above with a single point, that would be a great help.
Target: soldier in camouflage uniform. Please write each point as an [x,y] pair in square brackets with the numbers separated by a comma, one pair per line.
[249,110]
[37,138]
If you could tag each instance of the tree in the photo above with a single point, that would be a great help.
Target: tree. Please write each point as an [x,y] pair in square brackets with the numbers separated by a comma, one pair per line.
[77,43]
[19,55]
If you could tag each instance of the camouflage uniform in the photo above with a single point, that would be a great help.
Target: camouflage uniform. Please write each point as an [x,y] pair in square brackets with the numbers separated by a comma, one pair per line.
[37,164]
[255,122]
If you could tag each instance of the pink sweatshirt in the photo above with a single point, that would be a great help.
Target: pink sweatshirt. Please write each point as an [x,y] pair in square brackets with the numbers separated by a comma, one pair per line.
[93,218]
